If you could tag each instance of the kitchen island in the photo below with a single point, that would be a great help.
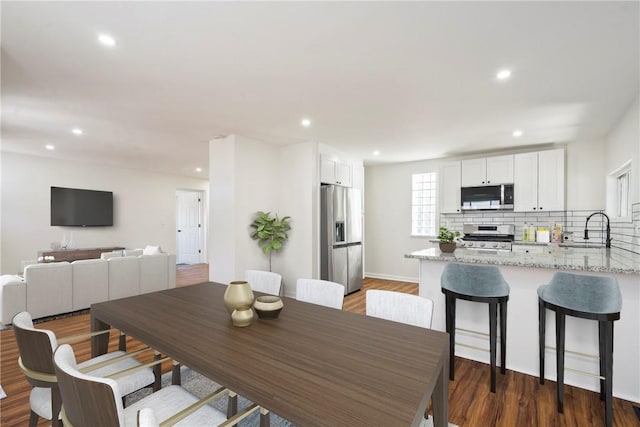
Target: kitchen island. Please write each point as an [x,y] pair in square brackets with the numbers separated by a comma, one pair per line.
[525,272]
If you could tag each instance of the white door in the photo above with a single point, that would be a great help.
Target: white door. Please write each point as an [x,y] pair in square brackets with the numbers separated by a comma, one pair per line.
[189,227]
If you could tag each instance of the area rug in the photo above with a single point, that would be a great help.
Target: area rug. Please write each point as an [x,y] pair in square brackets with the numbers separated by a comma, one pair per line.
[201,386]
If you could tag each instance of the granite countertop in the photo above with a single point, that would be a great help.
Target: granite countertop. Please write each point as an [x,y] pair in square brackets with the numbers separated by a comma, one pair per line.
[599,260]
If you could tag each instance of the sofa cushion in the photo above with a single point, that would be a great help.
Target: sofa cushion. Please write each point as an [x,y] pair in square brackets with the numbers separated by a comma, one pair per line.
[90,282]
[153,273]
[49,289]
[124,277]
[13,297]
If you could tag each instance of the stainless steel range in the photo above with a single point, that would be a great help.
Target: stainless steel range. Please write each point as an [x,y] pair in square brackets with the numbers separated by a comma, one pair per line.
[492,237]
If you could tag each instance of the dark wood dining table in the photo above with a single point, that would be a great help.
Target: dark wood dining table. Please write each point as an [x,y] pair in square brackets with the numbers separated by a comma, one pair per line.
[313,365]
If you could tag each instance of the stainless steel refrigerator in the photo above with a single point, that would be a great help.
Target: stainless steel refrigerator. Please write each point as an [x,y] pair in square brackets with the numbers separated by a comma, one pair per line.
[341,236]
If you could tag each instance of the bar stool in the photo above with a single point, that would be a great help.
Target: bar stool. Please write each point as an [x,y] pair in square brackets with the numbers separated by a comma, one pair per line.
[588,297]
[479,284]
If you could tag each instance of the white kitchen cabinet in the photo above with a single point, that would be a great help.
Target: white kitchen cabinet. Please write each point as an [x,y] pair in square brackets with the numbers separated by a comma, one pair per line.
[489,170]
[334,171]
[449,184]
[539,181]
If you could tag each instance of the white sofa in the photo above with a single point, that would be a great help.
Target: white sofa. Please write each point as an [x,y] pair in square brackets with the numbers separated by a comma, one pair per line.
[61,287]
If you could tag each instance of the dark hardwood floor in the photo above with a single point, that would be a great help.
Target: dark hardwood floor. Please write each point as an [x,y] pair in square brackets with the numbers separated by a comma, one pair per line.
[519,401]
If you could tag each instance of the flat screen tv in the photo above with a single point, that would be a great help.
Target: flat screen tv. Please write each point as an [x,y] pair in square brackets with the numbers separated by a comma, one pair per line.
[73,207]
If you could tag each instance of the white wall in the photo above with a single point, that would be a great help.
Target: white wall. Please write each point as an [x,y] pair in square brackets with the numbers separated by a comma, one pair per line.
[623,143]
[388,205]
[144,206]
[298,198]
[248,176]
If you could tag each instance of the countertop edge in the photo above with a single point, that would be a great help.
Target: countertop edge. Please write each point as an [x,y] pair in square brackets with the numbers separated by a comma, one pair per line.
[521,263]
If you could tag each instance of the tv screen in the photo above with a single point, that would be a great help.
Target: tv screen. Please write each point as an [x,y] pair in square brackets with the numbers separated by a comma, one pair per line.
[73,207]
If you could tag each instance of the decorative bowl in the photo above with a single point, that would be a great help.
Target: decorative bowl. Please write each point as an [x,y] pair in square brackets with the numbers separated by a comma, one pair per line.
[268,306]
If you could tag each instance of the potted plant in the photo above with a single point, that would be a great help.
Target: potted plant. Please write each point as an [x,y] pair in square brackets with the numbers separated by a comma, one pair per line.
[447,239]
[270,232]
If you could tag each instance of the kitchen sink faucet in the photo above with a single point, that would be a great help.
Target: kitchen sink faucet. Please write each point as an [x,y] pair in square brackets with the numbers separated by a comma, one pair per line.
[586,232]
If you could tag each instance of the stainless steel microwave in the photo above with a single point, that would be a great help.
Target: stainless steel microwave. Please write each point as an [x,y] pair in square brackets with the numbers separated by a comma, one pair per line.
[487,197]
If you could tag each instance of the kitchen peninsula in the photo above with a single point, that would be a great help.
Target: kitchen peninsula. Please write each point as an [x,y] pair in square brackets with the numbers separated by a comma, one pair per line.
[525,272]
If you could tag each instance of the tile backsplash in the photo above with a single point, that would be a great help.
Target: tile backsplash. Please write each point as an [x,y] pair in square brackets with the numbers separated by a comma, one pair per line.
[624,234]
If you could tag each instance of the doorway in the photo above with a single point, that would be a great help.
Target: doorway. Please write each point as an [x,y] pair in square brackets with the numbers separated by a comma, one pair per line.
[189,227]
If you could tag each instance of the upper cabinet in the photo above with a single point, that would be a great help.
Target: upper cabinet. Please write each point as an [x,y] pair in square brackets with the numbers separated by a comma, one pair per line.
[450,187]
[485,171]
[335,171]
[539,181]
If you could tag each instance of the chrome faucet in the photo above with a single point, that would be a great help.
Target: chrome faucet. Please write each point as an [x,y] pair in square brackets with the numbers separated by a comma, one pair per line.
[586,232]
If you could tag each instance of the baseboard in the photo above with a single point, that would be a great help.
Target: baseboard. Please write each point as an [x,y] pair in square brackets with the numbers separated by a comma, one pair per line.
[390,277]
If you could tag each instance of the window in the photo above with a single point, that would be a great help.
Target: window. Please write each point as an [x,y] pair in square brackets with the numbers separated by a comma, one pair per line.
[619,192]
[423,204]
[623,183]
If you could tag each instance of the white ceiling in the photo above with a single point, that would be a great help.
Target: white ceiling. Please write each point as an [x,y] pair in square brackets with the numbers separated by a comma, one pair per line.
[415,80]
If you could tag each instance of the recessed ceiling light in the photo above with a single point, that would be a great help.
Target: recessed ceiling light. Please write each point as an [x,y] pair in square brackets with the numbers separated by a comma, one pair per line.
[198,169]
[49,147]
[76,131]
[503,74]
[106,40]
[376,153]
[517,133]
[306,123]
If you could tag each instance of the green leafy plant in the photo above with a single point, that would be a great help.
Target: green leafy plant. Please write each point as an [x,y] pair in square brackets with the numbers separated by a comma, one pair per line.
[447,236]
[270,232]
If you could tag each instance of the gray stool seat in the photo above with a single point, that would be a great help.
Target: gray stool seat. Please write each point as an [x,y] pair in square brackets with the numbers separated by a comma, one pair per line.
[474,280]
[478,284]
[588,297]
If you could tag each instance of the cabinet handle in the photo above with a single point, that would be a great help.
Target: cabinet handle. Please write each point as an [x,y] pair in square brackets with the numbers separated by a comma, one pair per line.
[540,207]
[488,182]
[483,182]
[534,208]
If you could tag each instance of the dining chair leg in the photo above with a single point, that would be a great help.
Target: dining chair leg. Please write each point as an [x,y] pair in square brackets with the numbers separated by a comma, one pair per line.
[33,419]
[560,322]
[232,404]
[56,406]
[493,326]
[451,330]
[176,374]
[157,372]
[503,337]
[122,342]
[541,337]
[265,419]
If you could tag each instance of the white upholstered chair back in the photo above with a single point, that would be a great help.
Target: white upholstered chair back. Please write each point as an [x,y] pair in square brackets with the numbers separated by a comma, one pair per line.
[264,281]
[400,307]
[321,292]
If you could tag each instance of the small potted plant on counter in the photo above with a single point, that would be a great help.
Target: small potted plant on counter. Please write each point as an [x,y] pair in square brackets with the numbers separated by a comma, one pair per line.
[447,239]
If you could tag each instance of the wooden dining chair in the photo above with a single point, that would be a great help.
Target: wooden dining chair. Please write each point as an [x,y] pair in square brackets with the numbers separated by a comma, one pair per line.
[400,307]
[264,281]
[321,292]
[94,401]
[36,347]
